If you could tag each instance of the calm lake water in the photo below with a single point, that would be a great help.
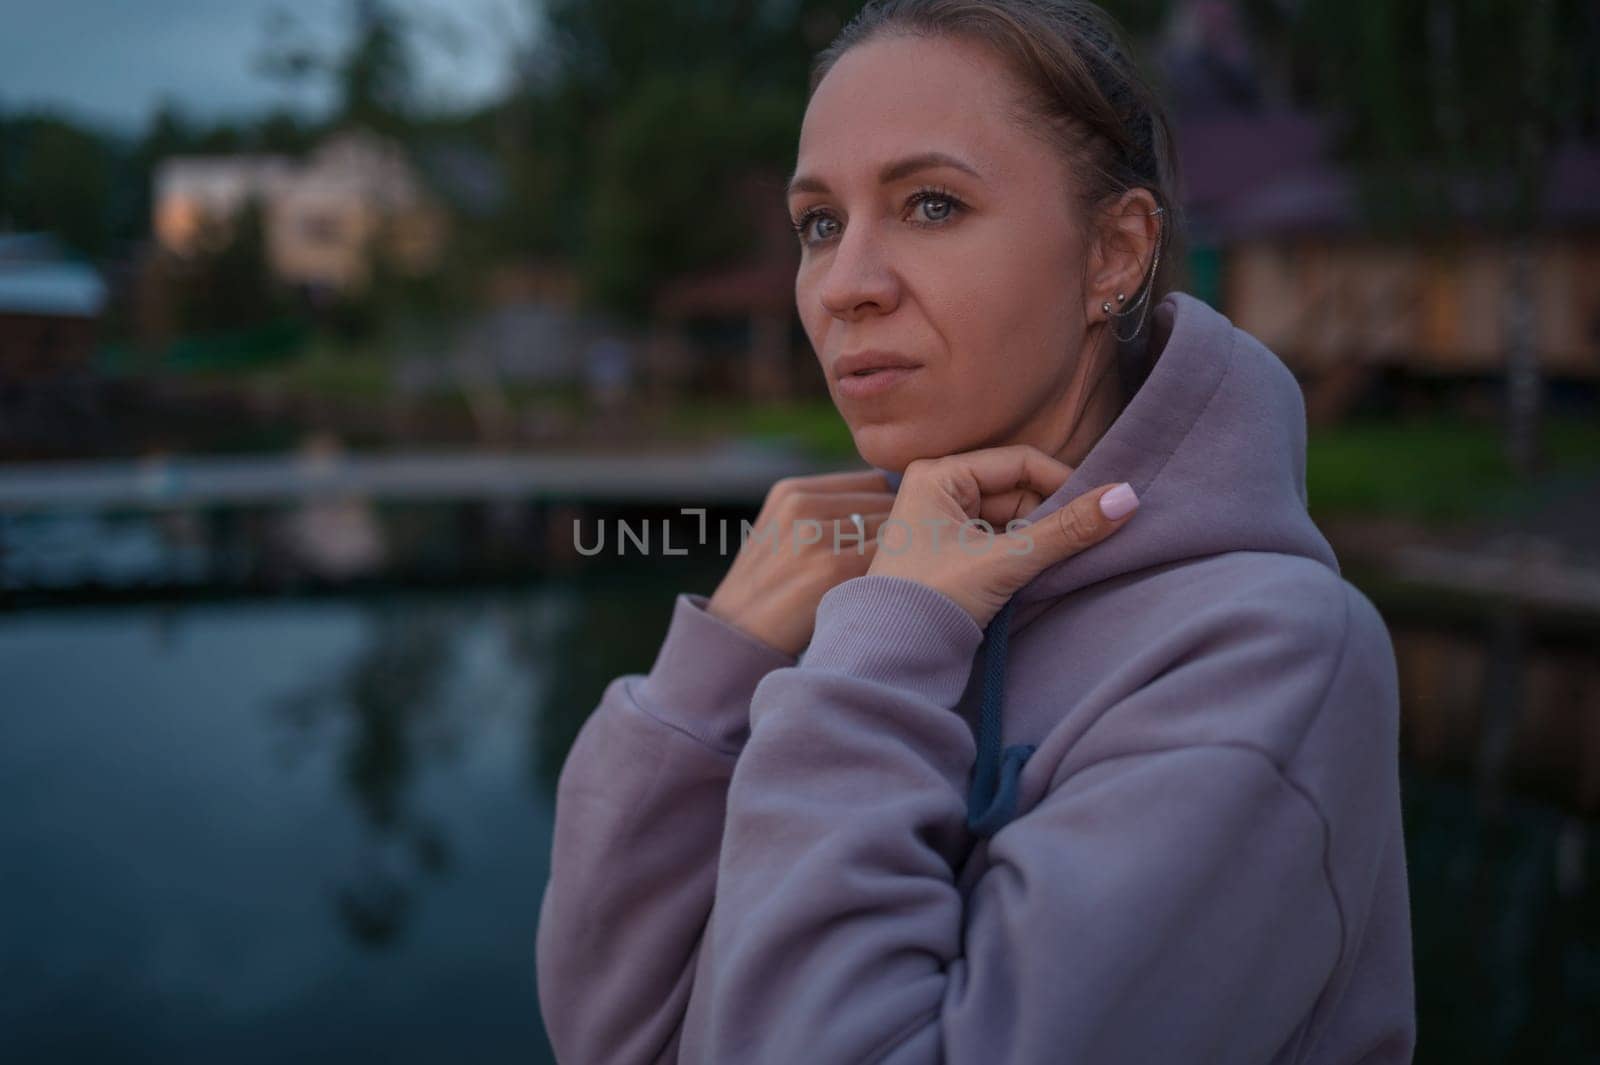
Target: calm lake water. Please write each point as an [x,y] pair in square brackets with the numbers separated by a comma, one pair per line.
[317,830]
[310,830]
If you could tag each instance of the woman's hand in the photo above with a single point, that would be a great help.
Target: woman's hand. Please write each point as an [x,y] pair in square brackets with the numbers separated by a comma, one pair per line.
[803,544]
[980,566]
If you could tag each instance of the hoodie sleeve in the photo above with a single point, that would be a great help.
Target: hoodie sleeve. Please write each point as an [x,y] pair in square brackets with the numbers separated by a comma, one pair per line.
[638,822]
[1166,905]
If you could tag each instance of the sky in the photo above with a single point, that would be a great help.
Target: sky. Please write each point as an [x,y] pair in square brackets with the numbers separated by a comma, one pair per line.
[112,62]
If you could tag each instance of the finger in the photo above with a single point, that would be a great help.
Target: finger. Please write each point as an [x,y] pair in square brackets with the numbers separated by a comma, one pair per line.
[999,509]
[996,470]
[1073,528]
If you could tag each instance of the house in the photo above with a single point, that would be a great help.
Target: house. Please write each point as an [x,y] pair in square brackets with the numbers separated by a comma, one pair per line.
[50,308]
[357,193]
[1301,266]
[195,195]
[1283,241]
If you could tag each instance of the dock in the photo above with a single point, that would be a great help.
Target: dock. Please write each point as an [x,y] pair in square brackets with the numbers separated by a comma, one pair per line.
[728,475]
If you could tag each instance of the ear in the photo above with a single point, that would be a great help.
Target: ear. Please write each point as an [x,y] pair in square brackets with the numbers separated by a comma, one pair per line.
[1124,245]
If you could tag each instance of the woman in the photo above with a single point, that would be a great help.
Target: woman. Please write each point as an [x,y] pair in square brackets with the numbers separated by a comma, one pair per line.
[800,837]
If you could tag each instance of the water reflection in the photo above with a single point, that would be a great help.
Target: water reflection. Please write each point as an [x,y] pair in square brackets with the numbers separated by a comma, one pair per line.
[1501,695]
[610,624]
[383,710]
[236,832]
[211,815]
[1506,926]
[1500,742]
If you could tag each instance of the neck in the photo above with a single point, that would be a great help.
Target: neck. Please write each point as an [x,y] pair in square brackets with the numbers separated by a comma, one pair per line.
[1070,423]
[1098,402]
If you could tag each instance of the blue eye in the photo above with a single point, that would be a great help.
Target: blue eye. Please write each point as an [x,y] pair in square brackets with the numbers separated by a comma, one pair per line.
[925,197]
[802,224]
[952,205]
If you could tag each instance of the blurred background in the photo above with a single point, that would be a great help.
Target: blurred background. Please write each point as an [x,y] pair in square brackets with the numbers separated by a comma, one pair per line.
[321,322]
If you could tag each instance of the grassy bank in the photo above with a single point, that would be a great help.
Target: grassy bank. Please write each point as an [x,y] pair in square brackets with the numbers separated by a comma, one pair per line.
[1436,470]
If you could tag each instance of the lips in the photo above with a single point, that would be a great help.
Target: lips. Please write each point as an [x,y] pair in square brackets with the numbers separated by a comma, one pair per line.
[875,382]
[861,363]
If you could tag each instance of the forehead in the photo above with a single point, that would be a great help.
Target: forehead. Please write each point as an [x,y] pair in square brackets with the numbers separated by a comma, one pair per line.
[902,95]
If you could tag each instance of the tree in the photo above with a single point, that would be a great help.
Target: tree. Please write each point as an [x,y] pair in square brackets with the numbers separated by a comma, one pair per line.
[657,207]
[373,75]
[634,114]
[56,176]
[229,283]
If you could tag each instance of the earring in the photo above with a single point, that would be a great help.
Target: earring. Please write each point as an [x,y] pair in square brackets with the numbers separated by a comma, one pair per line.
[1106,306]
[1121,297]
[1144,297]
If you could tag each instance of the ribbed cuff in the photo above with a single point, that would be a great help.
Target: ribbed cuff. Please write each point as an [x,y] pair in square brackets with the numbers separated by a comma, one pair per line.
[704,675]
[897,631]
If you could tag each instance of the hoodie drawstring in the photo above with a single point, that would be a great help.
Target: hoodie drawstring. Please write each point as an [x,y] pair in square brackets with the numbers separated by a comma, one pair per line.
[992,798]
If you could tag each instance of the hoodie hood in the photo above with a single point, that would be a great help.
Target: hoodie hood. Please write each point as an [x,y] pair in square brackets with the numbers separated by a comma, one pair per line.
[1213,442]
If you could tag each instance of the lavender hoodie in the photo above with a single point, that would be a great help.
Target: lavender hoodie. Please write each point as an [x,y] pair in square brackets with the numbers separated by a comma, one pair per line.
[1188,849]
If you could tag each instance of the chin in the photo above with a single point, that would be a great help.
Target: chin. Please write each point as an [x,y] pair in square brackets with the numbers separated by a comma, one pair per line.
[893,445]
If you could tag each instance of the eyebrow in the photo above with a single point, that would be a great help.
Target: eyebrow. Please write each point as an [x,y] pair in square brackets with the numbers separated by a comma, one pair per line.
[894,171]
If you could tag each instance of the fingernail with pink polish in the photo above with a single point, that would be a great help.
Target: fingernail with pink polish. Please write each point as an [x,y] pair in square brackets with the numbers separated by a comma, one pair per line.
[1118,502]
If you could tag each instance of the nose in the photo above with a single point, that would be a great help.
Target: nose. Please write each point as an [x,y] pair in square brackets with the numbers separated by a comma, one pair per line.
[859,278]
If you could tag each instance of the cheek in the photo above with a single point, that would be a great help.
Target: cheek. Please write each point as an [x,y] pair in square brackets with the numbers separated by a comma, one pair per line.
[1000,305]
[813,318]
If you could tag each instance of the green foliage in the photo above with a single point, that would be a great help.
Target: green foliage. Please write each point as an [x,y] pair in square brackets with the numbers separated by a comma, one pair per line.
[1433,469]
[659,205]
[56,176]
[375,76]
[1438,469]
[372,74]
[229,284]
[812,426]
[237,349]
[327,365]
[641,116]
[543,214]
[1431,93]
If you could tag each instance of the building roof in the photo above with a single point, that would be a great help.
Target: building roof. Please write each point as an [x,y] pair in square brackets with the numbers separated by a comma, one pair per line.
[29,247]
[1254,175]
[1574,177]
[37,279]
[1226,156]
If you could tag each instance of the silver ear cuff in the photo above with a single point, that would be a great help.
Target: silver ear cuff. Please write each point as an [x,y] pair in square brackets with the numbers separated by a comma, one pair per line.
[1142,300]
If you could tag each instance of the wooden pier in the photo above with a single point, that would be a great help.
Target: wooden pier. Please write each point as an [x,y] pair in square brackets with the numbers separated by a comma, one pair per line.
[727,476]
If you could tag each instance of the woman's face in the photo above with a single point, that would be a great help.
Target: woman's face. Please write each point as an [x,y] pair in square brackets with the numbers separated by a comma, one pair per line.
[971,267]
